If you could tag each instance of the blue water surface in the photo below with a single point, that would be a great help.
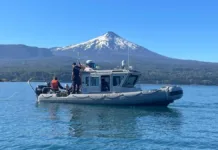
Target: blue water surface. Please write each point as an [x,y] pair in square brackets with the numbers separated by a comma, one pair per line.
[189,123]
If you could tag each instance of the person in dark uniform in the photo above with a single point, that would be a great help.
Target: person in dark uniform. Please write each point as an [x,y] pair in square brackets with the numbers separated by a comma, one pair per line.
[76,78]
[104,85]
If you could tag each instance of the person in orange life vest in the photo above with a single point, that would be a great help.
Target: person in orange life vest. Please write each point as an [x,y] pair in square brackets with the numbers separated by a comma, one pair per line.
[55,84]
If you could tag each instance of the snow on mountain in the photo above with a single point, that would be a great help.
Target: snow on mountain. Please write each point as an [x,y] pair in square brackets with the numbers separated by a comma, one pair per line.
[105,47]
[108,41]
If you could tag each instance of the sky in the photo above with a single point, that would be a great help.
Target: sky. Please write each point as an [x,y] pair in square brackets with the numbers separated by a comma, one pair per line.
[186,29]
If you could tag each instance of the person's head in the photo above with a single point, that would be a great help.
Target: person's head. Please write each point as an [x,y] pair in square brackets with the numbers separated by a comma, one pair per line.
[66,86]
[74,64]
[55,78]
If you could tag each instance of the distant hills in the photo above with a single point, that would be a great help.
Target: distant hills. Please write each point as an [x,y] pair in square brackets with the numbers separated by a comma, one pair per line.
[23,52]
[21,62]
[101,48]
[108,47]
[111,47]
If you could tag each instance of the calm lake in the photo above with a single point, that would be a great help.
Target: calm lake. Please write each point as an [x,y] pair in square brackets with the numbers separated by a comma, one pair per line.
[189,123]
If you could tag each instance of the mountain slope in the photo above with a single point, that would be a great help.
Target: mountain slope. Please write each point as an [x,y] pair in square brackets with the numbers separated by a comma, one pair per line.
[23,52]
[108,41]
[109,44]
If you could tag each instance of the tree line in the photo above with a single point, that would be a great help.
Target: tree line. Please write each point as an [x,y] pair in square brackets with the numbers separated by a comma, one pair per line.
[150,75]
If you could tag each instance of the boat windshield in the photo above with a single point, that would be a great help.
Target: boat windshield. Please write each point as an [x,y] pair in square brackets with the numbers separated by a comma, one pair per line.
[131,81]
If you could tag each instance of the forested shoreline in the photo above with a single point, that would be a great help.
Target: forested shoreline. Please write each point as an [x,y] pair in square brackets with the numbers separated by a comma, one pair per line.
[153,72]
[148,76]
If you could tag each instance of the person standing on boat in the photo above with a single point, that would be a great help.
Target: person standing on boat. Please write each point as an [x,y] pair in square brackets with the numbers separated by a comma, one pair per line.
[76,78]
[55,84]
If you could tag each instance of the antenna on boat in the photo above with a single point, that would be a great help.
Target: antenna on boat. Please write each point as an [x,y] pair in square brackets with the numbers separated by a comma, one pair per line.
[78,59]
[123,64]
[128,58]
[129,67]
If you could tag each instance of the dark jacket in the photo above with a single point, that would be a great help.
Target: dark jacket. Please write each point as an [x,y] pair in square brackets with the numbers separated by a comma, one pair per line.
[76,73]
[105,86]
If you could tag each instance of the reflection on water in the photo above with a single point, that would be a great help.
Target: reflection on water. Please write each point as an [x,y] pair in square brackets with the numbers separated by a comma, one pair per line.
[114,121]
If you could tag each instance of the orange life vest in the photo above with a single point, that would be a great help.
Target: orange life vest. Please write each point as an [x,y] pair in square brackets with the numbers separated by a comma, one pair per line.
[54,84]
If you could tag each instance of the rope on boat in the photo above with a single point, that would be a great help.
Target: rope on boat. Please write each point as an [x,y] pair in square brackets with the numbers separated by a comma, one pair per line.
[111,96]
[96,98]
[79,96]
[146,92]
[47,96]
[104,96]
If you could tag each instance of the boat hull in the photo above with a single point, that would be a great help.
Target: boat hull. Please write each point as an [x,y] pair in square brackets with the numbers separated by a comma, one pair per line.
[163,96]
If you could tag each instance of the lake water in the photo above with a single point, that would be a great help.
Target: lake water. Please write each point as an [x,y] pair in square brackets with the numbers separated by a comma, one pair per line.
[189,123]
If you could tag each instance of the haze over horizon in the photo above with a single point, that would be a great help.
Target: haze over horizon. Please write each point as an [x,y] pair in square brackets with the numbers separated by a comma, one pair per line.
[178,29]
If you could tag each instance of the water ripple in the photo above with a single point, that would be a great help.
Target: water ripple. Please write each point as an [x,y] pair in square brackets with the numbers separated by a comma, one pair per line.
[189,123]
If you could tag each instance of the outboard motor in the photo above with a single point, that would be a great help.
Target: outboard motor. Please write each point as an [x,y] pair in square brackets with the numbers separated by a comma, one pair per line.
[42,89]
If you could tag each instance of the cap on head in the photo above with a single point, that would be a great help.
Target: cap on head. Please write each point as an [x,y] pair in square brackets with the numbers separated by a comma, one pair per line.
[74,64]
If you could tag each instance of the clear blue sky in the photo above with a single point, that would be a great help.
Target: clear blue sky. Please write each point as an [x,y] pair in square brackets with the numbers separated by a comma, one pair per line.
[186,29]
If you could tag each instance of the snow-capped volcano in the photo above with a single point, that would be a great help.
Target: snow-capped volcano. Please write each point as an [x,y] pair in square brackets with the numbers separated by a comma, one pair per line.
[108,45]
[108,41]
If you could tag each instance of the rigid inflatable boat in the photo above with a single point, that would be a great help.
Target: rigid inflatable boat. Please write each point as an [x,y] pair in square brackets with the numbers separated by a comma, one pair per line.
[121,90]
